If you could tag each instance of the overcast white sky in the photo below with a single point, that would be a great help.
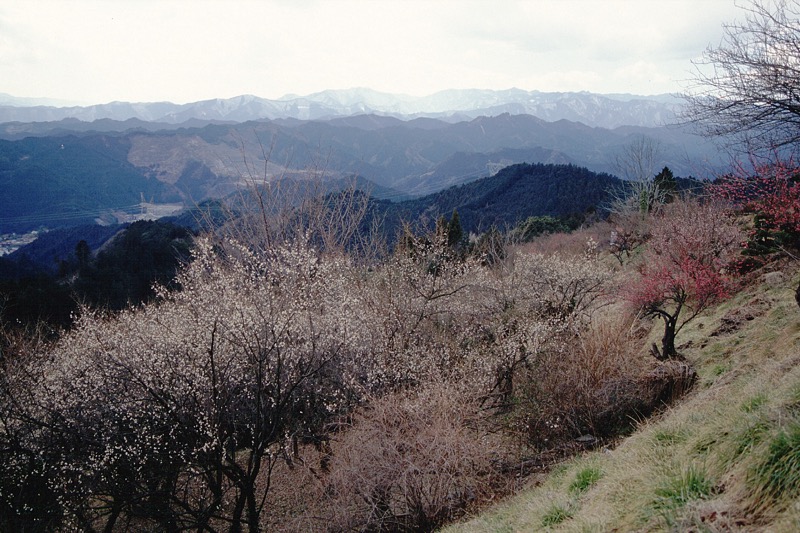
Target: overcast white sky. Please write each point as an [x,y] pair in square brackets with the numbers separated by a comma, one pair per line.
[188,50]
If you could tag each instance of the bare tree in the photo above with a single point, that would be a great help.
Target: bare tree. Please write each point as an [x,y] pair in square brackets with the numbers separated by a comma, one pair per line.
[639,195]
[636,164]
[637,161]
[745,90]
[272,207]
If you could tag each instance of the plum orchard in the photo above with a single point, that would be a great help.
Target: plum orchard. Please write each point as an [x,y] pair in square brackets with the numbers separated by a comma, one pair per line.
[173,416]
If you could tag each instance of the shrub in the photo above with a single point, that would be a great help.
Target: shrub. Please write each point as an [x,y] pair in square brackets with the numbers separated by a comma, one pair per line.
[533,227]
[411,462]
[591,385]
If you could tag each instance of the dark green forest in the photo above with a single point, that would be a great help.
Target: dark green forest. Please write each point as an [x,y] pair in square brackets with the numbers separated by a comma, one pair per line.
[71,180]
[118,274]
[513,194]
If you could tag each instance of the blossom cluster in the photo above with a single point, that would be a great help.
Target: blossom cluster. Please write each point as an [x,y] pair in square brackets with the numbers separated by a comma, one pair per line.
[771,192]
[173,413]
[687,265]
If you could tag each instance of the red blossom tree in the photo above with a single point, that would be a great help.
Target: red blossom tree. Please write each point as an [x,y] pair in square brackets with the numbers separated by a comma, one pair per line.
[684,268]
[772,193]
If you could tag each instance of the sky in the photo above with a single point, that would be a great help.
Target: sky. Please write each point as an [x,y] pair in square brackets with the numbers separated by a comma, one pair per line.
[92,52]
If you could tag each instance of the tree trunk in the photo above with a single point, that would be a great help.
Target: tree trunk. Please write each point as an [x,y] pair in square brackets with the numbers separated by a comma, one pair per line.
[238,511]
[667,350]
[112,518]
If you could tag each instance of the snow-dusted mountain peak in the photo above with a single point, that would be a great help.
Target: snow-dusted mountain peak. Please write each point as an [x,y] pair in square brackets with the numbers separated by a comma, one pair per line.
[596,110]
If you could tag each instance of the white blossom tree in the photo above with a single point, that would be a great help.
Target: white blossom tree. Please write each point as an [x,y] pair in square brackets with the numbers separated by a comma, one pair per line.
[173,416]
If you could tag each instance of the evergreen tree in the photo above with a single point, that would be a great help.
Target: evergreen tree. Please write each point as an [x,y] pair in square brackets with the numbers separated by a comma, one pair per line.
[666,185]
[83,253]
[454,231]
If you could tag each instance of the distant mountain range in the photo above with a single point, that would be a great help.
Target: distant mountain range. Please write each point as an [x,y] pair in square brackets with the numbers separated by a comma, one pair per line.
[64,177]
[62,166]
[16,101]
[594,110]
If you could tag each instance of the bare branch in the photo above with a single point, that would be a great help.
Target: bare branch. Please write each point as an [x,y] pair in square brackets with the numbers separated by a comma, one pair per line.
[745,90]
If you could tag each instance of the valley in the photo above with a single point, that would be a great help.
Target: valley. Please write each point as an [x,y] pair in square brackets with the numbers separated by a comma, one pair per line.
[108,165]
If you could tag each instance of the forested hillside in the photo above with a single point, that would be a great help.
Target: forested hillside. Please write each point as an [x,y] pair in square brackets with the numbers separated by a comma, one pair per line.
[515,193]
[67,181]
[122,261]
[104,268]
[294,382]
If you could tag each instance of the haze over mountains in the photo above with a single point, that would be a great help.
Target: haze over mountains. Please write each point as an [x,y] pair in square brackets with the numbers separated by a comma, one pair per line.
[607,111]
[68,165]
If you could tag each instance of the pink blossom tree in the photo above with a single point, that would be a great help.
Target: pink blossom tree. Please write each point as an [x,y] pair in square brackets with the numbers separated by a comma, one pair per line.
[685,267]
[772,195]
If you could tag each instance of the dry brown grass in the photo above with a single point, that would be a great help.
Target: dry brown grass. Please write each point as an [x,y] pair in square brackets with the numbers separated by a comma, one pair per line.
[407,462]
[599,385]
[573,243]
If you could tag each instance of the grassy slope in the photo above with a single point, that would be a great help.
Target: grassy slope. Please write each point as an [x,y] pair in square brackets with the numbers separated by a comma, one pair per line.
[724,458]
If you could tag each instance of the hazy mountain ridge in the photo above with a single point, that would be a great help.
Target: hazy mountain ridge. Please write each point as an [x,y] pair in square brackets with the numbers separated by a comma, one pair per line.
[503,199]
[608,111]
[17,101]
[58,177]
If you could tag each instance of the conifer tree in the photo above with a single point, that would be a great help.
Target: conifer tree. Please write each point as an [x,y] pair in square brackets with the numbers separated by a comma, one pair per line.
[454,231]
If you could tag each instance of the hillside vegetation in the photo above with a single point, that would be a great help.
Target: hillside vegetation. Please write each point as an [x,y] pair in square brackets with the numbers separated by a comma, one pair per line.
[291,368]
[724,458]
[294,382]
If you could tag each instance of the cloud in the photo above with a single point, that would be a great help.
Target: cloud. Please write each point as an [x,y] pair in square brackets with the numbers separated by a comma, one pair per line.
[183,50]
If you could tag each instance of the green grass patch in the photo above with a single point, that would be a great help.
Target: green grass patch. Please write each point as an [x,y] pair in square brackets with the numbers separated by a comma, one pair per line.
[775,478]
[691,484]
[669,437]
[584,479]
[719,369]
[555,515]
[752,404]
[749,437]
